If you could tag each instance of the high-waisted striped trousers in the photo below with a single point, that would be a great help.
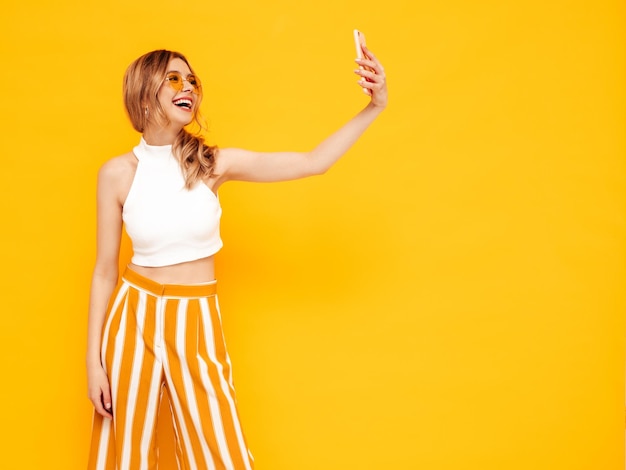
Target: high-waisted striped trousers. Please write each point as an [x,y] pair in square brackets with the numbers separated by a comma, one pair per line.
[167,336]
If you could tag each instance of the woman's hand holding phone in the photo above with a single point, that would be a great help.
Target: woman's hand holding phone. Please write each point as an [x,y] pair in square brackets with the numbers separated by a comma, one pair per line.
[371,71]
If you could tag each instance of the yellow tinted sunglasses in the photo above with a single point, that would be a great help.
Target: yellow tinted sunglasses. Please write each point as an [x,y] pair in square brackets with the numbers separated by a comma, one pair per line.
[176,81]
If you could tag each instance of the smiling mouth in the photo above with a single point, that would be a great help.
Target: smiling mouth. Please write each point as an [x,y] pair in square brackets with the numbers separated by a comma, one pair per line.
[184,103]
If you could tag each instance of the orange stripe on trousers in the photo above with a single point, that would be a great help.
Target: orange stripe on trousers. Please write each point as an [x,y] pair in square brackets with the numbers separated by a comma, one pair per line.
[158,337]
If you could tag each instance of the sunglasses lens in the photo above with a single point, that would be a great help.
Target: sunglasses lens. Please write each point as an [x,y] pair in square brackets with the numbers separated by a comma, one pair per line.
[194,82]
[175,81]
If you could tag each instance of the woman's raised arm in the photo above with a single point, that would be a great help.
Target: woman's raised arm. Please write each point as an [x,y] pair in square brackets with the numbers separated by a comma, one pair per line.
[245,165]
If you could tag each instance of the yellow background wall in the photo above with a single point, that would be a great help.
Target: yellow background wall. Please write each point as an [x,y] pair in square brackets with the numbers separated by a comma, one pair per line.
[449,296]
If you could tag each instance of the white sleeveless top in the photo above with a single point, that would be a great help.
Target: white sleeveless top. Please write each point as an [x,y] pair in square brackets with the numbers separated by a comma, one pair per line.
[167,223]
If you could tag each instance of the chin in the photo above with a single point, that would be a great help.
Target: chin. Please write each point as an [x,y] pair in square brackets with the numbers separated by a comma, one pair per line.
[182,122]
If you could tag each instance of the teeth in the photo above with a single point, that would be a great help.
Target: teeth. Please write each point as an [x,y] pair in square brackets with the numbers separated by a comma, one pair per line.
[183,102]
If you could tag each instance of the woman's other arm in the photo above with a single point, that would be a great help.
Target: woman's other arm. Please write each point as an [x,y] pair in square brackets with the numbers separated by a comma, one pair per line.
[111,178]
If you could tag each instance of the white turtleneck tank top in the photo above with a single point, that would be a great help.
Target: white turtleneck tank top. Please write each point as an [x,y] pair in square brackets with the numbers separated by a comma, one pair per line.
[167,223]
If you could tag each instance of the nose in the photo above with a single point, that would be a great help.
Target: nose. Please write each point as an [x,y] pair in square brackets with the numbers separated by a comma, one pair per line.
[186,85]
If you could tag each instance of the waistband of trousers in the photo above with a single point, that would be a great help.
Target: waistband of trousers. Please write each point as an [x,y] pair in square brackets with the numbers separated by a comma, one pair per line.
[169,290]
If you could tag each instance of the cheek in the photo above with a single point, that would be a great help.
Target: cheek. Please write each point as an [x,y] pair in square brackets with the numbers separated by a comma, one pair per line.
[166,95]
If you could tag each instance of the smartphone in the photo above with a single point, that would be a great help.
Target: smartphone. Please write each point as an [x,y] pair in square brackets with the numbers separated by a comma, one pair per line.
[359,42]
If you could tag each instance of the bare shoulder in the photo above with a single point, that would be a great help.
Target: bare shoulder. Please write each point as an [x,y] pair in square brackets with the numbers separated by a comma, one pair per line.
[116,175]
[119,166]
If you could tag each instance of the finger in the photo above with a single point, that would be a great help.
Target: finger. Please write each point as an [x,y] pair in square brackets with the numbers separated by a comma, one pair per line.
[369,54]
[371,66]
[106,398]
[367,87]
[97,404]
[378,89]
[370,87]
[365,64]
[362,83]
[370,76]
[101,411]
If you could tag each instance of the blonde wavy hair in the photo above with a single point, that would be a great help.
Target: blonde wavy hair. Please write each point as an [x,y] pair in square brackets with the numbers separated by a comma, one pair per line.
[142,81]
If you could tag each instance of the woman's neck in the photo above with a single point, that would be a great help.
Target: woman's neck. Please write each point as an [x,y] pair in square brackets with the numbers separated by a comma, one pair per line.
[160,136]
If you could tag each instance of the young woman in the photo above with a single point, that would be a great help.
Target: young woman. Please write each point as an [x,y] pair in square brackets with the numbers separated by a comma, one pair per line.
[159,328]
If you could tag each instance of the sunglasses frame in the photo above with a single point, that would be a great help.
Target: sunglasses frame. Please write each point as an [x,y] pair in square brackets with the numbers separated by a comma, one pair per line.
[196,89]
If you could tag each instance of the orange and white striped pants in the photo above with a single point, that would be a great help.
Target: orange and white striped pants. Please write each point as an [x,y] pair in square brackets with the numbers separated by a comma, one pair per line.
[158,336]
